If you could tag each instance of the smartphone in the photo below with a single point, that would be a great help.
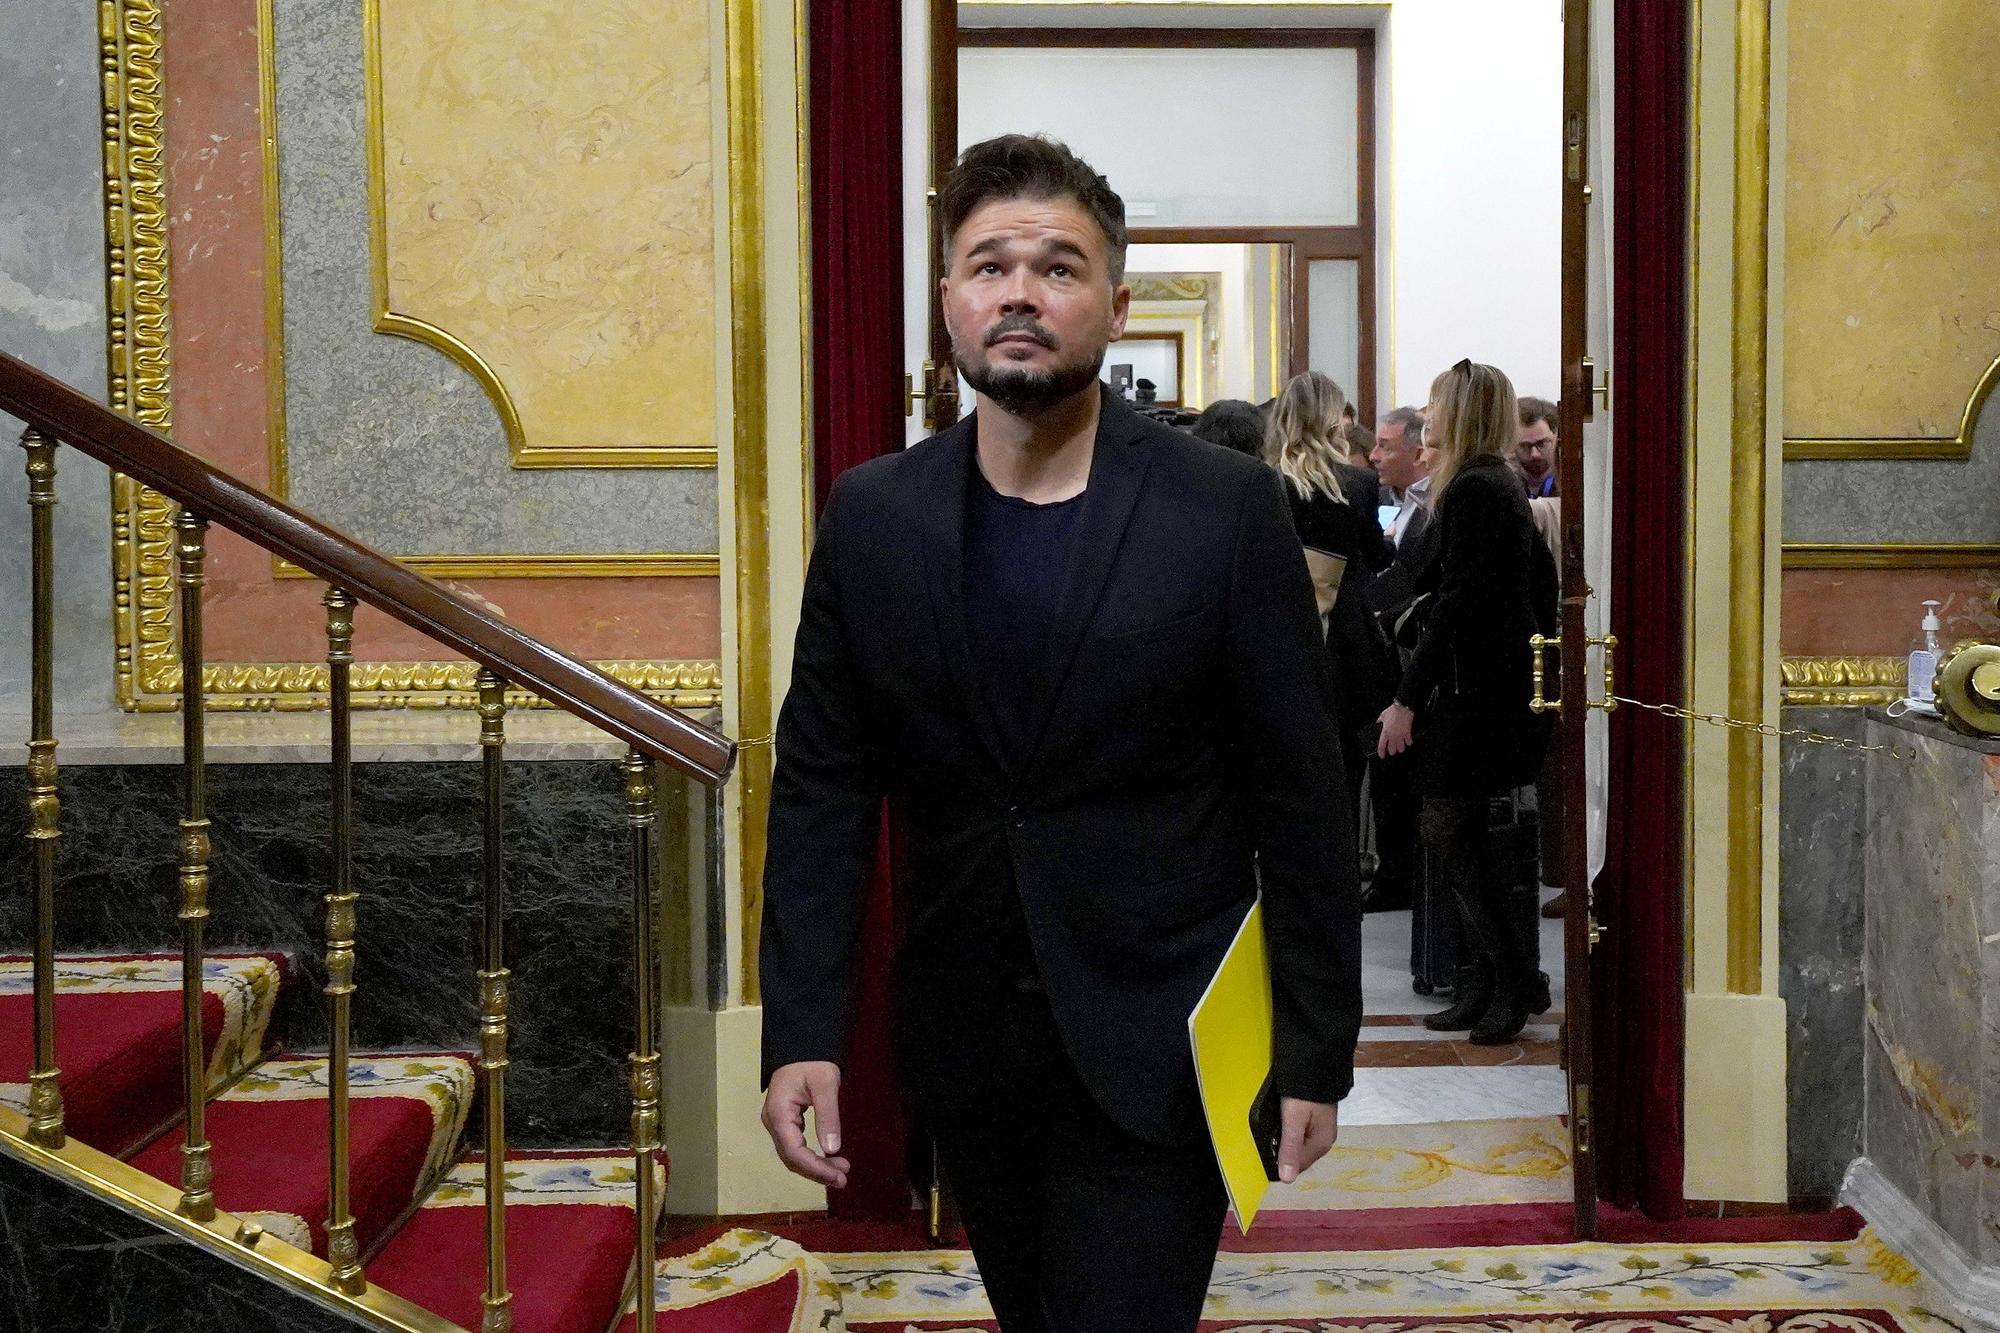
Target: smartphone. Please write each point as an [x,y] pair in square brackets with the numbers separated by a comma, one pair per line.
[1266,1124]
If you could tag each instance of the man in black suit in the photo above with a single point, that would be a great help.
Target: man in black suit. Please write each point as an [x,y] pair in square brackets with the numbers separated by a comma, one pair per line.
[1081,650]
[1393,794]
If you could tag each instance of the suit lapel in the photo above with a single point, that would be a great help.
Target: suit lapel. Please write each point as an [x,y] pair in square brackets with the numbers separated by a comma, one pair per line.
[944,569]
[1118,465]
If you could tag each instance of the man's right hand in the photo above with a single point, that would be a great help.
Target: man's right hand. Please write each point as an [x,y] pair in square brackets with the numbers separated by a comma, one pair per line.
[796,1088]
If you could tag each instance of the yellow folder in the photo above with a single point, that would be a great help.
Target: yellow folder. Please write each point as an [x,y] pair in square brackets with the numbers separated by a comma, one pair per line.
[1230,1030]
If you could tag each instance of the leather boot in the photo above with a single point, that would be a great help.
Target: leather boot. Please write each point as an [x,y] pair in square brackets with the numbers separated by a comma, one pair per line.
[1506,1015]
[1474,992]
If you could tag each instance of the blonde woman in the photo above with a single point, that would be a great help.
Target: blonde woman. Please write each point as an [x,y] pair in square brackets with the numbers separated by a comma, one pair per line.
[1334,510]
[1464,695]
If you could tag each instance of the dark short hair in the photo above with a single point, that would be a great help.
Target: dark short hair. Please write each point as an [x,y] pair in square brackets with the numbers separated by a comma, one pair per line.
[1030,166]
[1541,409]
[1233,424]
[1410,419]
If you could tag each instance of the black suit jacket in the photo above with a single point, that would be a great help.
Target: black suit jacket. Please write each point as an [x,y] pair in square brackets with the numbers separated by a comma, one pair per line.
[1493,586]
[1187,745]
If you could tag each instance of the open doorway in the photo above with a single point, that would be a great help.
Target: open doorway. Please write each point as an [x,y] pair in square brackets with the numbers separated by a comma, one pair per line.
[1273,236]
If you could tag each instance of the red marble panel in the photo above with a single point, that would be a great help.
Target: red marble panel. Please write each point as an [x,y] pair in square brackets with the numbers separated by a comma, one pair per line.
[1868,612]
[215,199]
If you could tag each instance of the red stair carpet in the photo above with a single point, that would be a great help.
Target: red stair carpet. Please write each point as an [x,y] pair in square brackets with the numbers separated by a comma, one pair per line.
[269,1139]
[118,1022]
[570,1235]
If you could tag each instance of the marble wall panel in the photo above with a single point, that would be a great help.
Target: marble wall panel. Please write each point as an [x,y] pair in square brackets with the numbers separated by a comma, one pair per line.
[216,222]
[52,316]
[388,438]
[1890,252]
[76,1264]
[549,200]
[1841,612]
[1841,500]
[1891,262]
[1821,882]
[1931,1042]
[418,870]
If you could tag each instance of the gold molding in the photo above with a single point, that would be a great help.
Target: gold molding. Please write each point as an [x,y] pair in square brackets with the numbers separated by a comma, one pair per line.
[227,1236]
[1691,472]
[743,42]
[520,452]
[1842,682]
[1749,374]
[300,687]
[137,350]
[1892,555]
[665,564]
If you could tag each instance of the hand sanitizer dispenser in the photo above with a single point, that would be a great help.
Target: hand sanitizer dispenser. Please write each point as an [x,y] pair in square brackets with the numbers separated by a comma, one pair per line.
[1923,662]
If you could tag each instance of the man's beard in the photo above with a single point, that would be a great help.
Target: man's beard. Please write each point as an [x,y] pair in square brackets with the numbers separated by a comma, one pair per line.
[1021,390]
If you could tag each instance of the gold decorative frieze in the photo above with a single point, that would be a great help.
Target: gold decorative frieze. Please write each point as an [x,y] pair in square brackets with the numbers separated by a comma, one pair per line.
[1842,682]
[285,687]
[135,233]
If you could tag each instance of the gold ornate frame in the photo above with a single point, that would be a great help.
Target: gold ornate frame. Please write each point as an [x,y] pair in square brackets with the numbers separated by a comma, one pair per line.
[1842,682]
[147,670]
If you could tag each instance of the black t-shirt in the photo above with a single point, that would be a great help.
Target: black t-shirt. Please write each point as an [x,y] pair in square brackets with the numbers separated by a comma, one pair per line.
[1017,557]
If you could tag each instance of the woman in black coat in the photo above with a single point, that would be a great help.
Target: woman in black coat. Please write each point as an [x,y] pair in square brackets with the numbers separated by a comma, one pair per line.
[1464,694]
[1334,510]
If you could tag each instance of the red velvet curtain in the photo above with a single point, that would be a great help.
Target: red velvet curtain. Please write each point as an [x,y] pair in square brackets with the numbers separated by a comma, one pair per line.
[855,75]
[1638,982]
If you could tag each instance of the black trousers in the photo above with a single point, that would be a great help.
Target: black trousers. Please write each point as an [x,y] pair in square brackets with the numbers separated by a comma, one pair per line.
[1077,1226]
[1457,832]
[1394,801]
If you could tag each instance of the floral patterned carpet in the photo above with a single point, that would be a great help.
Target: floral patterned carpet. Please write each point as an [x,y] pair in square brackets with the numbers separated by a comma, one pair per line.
[1775,1287]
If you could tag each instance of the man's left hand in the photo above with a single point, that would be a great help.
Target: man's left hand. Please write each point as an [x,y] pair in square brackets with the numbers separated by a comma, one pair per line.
[1306,1131]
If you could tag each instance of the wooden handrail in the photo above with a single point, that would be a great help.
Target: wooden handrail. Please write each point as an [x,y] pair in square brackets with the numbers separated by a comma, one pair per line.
[145,455]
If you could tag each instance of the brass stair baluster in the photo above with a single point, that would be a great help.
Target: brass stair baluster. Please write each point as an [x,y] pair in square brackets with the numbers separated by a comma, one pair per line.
[641,815]
[190,547]
[45,1107]
[493,975]
[342,1255]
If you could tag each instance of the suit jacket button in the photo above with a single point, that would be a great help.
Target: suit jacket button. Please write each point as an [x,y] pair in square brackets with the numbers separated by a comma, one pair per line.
[1014,813]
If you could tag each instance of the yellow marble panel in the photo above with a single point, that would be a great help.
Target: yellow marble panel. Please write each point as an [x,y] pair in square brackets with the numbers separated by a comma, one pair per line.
[547,204]
[1892,226]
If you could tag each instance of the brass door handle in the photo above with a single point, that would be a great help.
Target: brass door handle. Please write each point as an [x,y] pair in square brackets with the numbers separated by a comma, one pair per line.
[1609,643]
[1536,702]
[1540,703]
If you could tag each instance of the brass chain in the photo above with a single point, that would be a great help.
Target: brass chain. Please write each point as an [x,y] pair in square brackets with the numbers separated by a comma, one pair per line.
[1766,729]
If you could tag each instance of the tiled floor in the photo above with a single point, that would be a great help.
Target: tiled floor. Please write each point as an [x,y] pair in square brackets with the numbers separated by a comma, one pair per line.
[1408,1075]
[1385,965]
[1429,1095]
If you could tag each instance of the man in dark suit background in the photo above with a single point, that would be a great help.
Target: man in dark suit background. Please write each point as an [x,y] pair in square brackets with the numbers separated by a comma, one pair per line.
[1081,650]
[1398,459]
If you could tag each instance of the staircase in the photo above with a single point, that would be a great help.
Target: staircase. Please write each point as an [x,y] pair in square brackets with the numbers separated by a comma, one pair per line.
[366,1188]
[418,1195]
